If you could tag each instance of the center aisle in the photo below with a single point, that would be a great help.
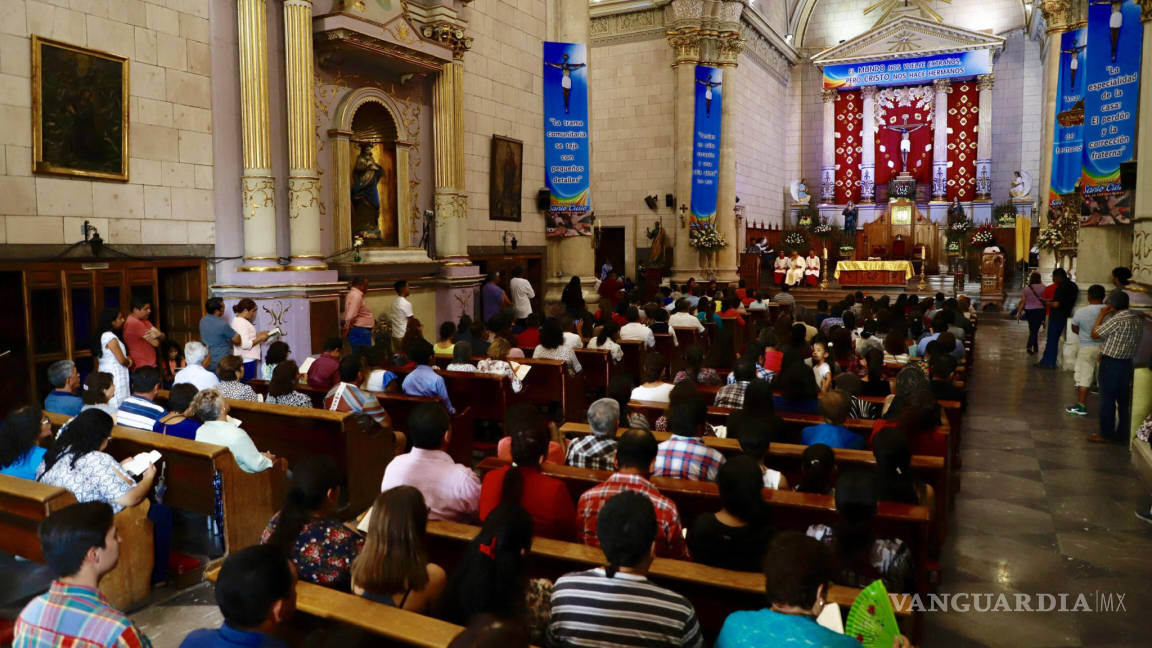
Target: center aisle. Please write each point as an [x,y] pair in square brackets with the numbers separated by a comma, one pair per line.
[1040,510]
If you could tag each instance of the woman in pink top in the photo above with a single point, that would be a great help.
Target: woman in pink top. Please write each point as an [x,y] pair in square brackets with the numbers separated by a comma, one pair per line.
[1032,308]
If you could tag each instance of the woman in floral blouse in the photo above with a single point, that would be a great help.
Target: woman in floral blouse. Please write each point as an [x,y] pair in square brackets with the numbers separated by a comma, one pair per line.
[230,370]
[320,546]
[281,389]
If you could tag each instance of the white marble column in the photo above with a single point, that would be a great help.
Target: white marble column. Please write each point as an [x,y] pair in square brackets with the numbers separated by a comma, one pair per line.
[984,138]
[940,140]
[868,147]
[1142,230]
[303,177]
[257,185]
[726,260]
[828,169]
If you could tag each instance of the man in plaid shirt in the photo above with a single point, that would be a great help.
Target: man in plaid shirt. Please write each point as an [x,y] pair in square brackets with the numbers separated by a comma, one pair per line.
[1118,329]
[684,456]
[732,394]
[755,351]
[634,456]
[597,450]
[80,545]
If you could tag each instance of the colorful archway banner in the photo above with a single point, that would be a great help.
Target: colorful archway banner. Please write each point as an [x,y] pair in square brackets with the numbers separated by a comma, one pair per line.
[706,145]
[920,69]
[1111,105]
[1068,143]
[566,157]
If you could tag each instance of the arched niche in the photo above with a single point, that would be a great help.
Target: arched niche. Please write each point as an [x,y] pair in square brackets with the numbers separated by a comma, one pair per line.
[369,116]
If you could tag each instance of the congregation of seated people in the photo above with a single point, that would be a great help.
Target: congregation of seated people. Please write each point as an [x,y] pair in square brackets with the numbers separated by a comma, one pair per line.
[882,360]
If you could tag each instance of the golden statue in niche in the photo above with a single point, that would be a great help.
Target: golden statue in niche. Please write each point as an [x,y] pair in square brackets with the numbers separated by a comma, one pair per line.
[374,193]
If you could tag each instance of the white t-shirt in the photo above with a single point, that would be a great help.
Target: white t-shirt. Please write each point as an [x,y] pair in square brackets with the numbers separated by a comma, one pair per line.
[401,311]
[521,292]
[772,478]
[685,320]
[573,341]
[637,331]
[657,394]
[820,371]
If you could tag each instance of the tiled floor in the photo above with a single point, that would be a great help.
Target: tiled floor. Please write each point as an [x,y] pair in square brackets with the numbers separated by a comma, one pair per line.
[1041,511]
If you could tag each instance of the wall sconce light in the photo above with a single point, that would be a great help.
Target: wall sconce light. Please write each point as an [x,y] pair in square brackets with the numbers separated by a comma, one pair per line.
[683,216]
[509,239]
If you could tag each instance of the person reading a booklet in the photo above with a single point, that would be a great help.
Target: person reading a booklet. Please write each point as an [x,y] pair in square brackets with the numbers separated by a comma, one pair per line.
[797,573]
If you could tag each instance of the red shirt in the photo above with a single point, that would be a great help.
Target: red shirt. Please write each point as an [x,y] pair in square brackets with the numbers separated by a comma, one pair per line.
[772,360]
[142,353]
[324,372]
[933,444]
[610,289]
[1047,295]
[528,338]
[545,498]
[732,313]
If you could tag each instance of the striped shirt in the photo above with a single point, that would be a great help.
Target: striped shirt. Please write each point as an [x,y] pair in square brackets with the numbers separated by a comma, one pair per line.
[72,615]
[590,609]
[346,397]
[139,413]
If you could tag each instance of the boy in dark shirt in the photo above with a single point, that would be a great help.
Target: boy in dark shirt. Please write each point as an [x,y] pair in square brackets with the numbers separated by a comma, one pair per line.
[943,369]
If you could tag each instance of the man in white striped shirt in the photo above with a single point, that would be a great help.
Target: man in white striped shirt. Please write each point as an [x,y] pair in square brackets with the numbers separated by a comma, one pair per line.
[617,605]
[138,410]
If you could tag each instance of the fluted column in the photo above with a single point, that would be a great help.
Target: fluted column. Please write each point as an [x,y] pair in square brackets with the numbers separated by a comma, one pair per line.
[1058,17]
[984,138]
[868,146]
[686,48]
[257,186]
[448,130]
[940,140]
[1142,230]
[303,178]
[828,169]
[726,260]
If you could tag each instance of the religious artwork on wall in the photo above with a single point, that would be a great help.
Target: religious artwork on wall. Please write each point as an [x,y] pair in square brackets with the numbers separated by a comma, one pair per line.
[1111,108]
[566,140]
[505,179]
[1068,145]
[374,193]
[709,97]
[79,111]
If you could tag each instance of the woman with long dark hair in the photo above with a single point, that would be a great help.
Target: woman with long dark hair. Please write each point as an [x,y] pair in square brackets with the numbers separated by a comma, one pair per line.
[545,498]
[1032,309]
[277,352]
[894,482]
[393,568]
[178,421]
[817,470]
[694,369]
[305,528]
[797,386]
[573,298]
[608,339]
[620,388]
[20,453]
[862,556]
[108,348]
[282,387]
[77,462]
[736,536]
[491,577]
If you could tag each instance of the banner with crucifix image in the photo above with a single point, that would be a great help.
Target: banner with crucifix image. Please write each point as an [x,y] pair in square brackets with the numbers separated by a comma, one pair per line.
[1111,107]
[566,157]
[706,145]
[1068,144]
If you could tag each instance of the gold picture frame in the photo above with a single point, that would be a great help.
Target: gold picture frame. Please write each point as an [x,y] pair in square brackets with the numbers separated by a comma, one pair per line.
[79,111]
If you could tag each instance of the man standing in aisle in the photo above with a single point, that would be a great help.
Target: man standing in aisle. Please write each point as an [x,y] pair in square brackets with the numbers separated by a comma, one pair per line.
[1118,330]
[522,294]
[141,338]
[1063,299]
[358,318]
[400,312]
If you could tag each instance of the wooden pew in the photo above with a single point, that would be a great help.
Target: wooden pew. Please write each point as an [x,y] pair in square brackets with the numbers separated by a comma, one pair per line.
[25,504]
[673,355]
[317,396]
[400,406]
[597,365]
[544,383]
[360,447]
[633,361]
[714,592]
[248,500]
[396,626]
[687,336]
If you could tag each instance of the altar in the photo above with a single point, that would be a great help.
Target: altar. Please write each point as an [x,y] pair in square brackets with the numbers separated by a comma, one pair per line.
[874,273]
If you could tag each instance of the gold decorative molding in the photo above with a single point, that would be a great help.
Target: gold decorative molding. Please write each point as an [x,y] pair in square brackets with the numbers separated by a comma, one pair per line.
[450,35]
[303,194]
[942,85]
[828,95]
[1145,10]
[621,27]
[685,44]
[986,81]
[258,193]
[1058,14]
[728,48]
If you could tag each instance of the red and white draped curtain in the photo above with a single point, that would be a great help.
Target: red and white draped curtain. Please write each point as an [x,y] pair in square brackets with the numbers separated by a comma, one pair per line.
[849,114]
[963,119]
[898,107]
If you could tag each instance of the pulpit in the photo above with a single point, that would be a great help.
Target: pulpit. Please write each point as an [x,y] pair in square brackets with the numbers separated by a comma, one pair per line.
[992,279]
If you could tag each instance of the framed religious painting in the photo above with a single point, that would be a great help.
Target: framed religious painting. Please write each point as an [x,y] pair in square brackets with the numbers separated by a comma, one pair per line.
[79,111]
[504,181]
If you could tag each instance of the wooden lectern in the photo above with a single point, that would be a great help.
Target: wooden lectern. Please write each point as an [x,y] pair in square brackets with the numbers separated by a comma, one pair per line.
[992,279]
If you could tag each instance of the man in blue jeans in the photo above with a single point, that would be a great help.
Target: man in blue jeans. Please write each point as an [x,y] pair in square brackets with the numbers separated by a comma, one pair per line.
[1118,329]
[1060,309]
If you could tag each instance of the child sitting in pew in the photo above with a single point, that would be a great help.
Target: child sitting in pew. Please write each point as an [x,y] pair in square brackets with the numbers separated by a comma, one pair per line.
[834,408]
[817,470]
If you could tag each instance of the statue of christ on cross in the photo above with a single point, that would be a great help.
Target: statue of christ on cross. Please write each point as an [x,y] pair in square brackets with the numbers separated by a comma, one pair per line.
[905,143]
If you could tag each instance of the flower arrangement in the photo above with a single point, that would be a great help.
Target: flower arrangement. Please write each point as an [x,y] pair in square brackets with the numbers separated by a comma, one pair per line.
[982,237]
[823,230]
[1049,239]
[1005,213]
[953,246]
[706,239]
[796,240]
[958,230]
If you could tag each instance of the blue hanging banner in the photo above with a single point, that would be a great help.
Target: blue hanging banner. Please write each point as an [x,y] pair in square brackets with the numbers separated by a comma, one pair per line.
[1068,141]
[1111,106]
[566,158]
[706,145]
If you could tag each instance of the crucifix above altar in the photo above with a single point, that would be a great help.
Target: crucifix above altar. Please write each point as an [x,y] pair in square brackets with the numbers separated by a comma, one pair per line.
[908,107]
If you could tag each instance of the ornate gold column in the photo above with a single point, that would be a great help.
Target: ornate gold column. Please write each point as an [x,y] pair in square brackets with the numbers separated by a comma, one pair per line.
[984,138]
[828,172]
[727,264]
[303,178]
[257,186]
[1142,230]
[686,48]
[448,133]
[572,256]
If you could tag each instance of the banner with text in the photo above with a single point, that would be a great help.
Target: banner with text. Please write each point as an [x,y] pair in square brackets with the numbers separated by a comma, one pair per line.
[1111,103]
[706,145]
[566,139]
[923,69]
[1068,141]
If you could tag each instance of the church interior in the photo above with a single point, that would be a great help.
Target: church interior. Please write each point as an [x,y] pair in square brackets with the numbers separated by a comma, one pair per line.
[325,165]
